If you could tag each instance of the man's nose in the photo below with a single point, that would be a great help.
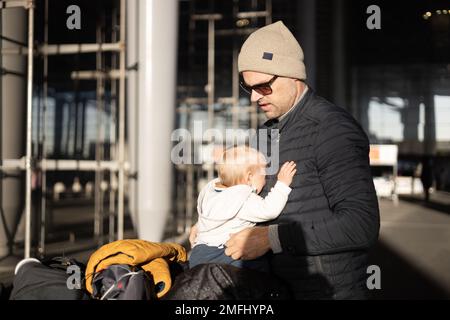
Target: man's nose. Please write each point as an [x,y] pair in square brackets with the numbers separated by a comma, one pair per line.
[255,96]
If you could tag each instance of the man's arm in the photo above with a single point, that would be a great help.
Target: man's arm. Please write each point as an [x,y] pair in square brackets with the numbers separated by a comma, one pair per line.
[248,244]
[343,166]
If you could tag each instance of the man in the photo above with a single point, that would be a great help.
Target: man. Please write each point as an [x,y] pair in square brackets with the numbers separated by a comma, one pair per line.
[319,244]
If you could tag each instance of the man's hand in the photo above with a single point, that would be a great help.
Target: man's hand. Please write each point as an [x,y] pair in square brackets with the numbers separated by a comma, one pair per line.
[248,244]
[193,234]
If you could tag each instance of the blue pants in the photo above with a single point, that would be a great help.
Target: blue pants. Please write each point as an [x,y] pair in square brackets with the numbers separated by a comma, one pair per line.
[206,254]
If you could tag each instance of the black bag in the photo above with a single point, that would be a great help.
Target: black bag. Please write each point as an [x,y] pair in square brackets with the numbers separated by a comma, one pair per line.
[54,279]
[5,291]
[122,282]
[214,281]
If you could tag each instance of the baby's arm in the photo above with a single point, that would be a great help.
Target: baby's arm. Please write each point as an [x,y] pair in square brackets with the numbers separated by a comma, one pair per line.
[258,209]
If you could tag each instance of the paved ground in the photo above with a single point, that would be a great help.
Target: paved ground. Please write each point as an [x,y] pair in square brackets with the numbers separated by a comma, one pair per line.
[414,249]
[413,252]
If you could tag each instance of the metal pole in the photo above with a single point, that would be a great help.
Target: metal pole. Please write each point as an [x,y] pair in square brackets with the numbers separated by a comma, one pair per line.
[112,134]
[93,75]
[15,3]
[133,28]
[121,186]
[235,73]
[211,53]
[41,248]
[69,48]
[29,128]
[189,197]
[235,89]
[98,215]
[1,129]
[65,165]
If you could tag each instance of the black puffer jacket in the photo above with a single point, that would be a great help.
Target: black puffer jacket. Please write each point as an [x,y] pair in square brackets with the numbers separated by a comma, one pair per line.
[332,216]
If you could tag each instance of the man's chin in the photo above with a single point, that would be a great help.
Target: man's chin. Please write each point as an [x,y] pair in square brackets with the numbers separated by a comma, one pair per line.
[270,115]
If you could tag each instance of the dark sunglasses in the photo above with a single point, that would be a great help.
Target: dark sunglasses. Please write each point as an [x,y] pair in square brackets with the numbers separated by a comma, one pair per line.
[262,88]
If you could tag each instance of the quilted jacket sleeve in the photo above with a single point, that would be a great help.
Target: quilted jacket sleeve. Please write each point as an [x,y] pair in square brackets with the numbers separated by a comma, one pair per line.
[341,151]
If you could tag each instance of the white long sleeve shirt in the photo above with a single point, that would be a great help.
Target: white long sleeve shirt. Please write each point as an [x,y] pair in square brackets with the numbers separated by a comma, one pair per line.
[224,211]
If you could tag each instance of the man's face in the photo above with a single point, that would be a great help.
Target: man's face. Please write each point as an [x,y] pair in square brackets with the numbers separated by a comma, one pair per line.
[285,92]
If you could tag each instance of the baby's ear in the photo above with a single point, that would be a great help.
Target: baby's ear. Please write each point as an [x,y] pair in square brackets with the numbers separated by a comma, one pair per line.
[248,176]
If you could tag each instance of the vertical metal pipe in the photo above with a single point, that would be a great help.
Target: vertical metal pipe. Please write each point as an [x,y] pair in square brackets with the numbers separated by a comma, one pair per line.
[97,182]
[253,116]
[98,219]
[112,134]
[188,169]
[181,200]
[235,73]
[189,197]
[29,128]
[41,248]
[133,29]
[235,90]
[5,227]
[121,186]
[211,66]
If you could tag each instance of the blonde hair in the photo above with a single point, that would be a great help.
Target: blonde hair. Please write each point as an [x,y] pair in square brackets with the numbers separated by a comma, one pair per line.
[236,162]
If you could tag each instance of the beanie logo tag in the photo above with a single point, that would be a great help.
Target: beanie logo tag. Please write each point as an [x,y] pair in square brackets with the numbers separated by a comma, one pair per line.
[267,55]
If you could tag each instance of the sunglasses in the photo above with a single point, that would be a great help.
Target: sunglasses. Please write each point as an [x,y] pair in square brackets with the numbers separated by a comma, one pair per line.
[262,88]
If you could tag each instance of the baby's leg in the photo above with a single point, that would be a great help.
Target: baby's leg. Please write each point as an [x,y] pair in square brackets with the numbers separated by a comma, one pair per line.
[207,254]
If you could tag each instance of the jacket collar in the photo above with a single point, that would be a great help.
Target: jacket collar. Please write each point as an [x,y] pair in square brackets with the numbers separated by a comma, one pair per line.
[294,113]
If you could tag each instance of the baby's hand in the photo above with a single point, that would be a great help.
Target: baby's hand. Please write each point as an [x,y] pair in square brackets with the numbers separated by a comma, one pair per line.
[287,172]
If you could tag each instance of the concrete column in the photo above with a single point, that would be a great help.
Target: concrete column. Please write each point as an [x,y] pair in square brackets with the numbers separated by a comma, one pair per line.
[411,114]
[13,112]
[429,139]
[158,26]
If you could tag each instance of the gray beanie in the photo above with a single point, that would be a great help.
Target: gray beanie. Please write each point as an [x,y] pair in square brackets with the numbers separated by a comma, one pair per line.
[273,50]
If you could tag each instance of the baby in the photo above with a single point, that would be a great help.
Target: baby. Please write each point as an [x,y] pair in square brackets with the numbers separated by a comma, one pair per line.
[231,203]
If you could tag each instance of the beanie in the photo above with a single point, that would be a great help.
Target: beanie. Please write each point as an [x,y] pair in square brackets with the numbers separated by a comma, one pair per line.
[273,50]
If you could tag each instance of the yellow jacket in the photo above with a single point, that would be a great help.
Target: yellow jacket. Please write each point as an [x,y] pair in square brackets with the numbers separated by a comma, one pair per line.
[151,256]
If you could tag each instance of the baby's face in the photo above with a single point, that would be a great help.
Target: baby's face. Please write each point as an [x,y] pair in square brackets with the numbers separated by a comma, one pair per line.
[258,178]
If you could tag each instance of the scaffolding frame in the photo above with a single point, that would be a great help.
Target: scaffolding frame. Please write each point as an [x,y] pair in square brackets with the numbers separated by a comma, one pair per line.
[190,170]
[27,163]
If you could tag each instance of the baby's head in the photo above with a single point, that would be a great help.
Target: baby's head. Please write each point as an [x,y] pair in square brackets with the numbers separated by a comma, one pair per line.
[243,165]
